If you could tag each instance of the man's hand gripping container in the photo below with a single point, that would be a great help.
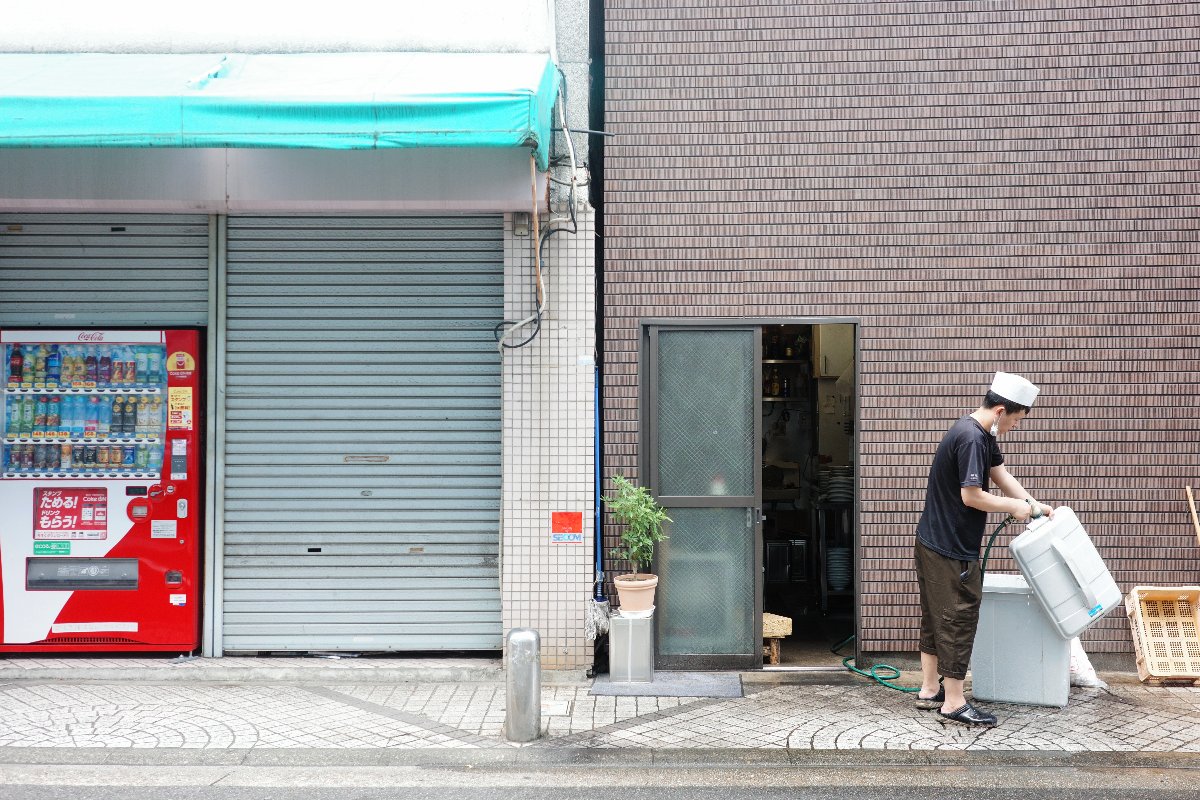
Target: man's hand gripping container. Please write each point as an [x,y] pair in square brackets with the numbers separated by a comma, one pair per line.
[1166,642]
[1067,575]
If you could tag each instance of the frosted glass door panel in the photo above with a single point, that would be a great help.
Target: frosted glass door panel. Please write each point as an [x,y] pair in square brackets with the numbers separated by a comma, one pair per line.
[706,439]
[706,583]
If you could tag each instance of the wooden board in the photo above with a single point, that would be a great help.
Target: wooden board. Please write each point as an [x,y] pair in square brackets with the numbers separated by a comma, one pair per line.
[1192,506]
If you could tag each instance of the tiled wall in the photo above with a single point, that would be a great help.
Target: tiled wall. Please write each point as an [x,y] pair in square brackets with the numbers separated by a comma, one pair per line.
[984,186]
[549,423]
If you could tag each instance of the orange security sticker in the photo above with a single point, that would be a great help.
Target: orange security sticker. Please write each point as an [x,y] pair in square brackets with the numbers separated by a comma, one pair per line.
[566,521]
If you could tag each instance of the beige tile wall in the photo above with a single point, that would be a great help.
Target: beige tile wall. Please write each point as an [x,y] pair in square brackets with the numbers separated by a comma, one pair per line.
[548,442]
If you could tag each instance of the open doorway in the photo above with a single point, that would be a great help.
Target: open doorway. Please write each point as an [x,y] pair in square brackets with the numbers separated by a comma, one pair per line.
[808,492]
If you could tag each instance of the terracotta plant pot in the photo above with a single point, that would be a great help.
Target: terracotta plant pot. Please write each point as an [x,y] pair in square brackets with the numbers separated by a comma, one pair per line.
[636,591]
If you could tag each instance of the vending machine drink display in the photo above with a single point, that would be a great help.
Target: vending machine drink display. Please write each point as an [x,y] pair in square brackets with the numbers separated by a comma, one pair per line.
[100,490]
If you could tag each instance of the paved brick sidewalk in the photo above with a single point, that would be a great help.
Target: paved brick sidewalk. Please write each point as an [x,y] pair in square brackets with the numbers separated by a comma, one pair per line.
[376,714]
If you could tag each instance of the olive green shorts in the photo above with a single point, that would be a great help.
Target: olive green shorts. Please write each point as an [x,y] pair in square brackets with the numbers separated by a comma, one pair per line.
[951,592]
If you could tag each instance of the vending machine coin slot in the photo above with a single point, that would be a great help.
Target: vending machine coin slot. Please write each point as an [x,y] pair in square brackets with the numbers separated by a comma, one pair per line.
[139,510]
[174,577]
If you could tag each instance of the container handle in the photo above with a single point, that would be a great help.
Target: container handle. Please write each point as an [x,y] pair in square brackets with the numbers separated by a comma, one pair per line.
[1089,596]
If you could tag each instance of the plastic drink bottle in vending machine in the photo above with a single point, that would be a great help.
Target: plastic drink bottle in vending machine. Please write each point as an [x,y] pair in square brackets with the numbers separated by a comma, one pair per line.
[131,373]
[104,369]
[92,419]
[77,412]
[29,367]
[131,415]
[89,365]
[39,365]
[154,366]
[39,416]
[28,410]
[157,423]
[64,460]
[117,417]
[104,422]
[54,416]
[16,364]
[53,366]
[140,358]
[13,428]
[143,416]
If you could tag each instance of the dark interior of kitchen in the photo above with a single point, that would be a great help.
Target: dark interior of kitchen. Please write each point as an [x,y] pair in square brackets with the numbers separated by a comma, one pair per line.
[808,390]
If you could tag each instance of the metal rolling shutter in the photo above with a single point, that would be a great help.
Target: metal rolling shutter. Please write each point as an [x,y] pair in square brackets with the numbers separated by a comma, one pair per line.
[103,270]
[362,499]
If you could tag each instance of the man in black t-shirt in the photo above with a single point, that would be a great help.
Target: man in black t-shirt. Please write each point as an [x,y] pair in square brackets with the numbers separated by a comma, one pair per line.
[949,535]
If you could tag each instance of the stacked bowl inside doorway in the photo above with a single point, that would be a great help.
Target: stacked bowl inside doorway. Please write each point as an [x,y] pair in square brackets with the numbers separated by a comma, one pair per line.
[838,568]
[836,484]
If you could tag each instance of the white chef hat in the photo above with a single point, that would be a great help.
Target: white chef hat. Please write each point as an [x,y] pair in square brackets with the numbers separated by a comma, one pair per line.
[1014,388]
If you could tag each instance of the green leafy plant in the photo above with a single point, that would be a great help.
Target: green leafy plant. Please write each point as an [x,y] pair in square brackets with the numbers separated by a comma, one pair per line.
[642,517]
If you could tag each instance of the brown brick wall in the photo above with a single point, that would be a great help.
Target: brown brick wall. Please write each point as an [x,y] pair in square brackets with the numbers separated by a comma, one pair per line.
[1002,185]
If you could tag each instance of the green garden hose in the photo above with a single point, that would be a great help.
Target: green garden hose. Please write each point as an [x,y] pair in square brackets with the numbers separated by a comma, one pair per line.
[884,674]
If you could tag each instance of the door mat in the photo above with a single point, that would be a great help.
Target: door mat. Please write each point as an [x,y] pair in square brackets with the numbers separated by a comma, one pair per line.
[673,684]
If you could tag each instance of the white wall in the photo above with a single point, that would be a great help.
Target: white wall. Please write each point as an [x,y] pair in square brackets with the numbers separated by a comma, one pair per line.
[548,425]
[277,26]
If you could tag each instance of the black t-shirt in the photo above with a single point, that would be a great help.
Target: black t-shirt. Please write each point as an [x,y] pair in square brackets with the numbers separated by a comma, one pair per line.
[948,525]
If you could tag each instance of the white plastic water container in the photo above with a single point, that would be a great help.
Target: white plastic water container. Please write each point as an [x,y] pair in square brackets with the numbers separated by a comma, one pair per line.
[1018,655]
[1061,564]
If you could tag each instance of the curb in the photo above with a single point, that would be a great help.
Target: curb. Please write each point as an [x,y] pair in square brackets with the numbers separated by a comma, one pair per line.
[535,755]
[183,673]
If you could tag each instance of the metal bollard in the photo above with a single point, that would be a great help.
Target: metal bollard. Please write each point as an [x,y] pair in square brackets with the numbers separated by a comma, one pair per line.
[523,663]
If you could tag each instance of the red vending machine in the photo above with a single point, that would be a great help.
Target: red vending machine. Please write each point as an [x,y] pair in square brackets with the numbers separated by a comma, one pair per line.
[100,491]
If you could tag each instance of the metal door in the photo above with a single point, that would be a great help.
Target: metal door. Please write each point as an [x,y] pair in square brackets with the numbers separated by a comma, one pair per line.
[104,270]
[362,500]
[702,454]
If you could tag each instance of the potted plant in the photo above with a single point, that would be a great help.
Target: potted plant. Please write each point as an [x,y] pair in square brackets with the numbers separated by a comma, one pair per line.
[642,517]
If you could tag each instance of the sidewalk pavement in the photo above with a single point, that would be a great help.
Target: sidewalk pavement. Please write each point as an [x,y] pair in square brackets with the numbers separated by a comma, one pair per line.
[386,705]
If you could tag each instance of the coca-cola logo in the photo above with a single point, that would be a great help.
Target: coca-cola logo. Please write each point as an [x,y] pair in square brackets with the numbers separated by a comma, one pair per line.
[93,336]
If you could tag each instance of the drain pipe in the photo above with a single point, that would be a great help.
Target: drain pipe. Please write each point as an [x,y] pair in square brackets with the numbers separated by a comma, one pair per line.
[598,593]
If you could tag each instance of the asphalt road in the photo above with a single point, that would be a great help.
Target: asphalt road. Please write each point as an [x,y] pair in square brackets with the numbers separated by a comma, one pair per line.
[582,782]
[209,793]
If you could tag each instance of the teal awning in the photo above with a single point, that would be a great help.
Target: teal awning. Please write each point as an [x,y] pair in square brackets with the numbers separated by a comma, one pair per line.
[303,100]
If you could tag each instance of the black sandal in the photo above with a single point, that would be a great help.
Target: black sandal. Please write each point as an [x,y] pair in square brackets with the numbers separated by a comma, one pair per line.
[970,715]
[930,703]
